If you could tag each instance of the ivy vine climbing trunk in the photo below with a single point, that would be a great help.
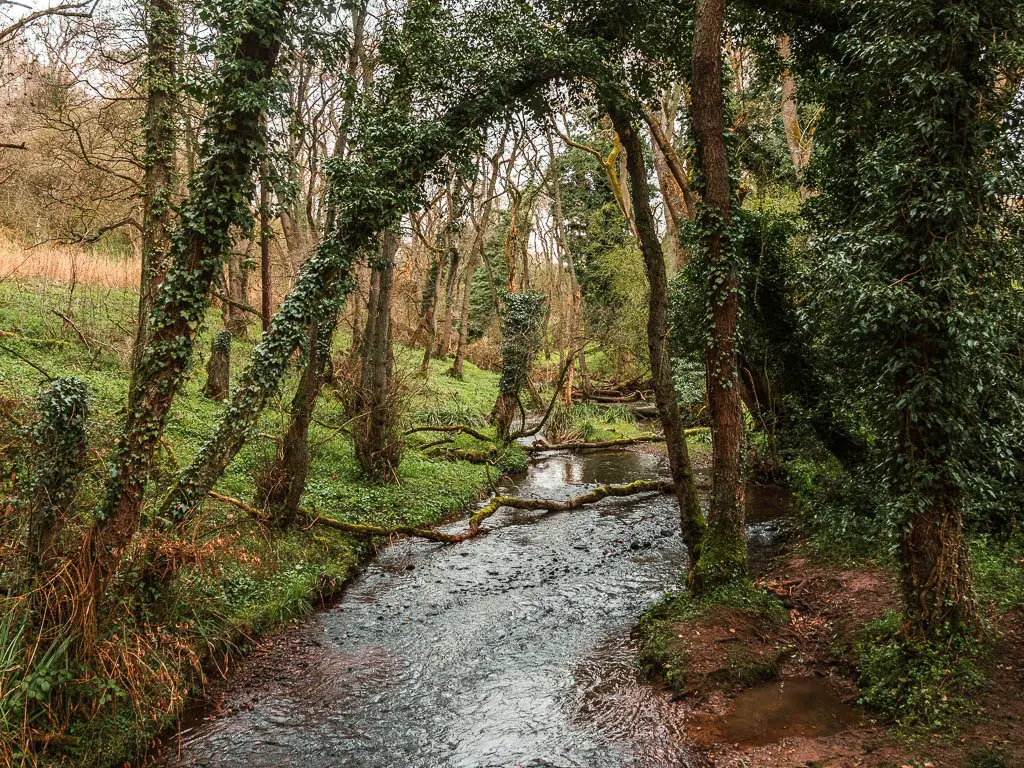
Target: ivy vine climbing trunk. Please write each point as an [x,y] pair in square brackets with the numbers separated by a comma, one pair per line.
[220,195]
[691,517]
[724,557]
[522,315]
[163,32]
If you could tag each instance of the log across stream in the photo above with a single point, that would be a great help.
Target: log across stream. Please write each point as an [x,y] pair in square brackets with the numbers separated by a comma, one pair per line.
[509,650]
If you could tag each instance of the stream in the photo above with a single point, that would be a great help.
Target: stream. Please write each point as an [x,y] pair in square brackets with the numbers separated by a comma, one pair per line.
[510,650]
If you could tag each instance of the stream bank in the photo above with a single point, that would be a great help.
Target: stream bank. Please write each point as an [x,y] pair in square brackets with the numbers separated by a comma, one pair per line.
[518,649]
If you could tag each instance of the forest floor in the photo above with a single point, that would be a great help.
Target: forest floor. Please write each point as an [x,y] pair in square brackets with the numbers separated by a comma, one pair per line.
[799,705]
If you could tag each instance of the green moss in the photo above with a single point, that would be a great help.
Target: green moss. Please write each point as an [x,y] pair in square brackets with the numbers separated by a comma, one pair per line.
[722,566]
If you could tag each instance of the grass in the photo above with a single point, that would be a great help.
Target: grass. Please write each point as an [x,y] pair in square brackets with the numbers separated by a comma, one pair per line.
[232,578]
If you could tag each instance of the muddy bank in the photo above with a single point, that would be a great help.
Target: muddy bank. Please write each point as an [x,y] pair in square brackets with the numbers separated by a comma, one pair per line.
[807,715]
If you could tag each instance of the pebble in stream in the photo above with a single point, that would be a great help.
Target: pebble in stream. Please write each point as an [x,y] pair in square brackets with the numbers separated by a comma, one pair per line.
[511,650]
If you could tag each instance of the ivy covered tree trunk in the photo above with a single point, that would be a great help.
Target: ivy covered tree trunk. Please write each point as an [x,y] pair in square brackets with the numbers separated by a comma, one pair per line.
[691,517]
[284,485]
[378,449]
[163,32]
[219,198]
[522,316]
[920,251]
[218,368]
[724,557]
[59,445]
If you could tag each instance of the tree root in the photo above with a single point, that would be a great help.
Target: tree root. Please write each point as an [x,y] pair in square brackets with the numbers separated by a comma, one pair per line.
[475,528]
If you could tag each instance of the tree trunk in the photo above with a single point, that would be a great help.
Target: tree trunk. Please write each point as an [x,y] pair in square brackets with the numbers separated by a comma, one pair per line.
[221,192]
[676,207]
[436,273]
[236,291]
[724,559]
[938,592]
[463,339]
[799,145]
[444,342]
[218,369]
[575,319]
[378,449]
[163,32]
[691,517]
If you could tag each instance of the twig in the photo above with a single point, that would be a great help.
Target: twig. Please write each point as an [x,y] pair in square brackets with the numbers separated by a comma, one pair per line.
[26,360]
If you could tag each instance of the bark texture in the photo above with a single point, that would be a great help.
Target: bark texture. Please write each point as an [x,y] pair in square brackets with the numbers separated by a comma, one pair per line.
[218,368]
[163,32]
[724,558]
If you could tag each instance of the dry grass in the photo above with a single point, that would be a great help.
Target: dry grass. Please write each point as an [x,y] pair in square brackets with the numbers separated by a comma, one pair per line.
[66,264]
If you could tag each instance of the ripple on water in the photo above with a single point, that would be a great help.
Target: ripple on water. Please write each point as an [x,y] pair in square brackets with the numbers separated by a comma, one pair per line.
[508,650]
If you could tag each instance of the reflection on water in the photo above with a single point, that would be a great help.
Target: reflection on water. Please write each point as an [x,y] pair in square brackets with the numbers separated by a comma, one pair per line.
[508,650]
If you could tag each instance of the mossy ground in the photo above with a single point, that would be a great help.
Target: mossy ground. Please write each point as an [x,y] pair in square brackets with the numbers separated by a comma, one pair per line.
[718,641]
[233,579]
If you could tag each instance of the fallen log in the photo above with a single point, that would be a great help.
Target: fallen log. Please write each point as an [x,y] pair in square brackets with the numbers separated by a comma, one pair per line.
[476,519]
[548,505]
[451,428]
[539,446]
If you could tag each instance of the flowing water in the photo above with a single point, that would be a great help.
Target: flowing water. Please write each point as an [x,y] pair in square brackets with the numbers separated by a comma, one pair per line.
[513,649]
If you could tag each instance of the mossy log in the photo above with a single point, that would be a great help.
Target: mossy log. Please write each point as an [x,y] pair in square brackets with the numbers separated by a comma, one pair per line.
[475,528]
[466,454]
[548,505]
[539,446]
[451,428]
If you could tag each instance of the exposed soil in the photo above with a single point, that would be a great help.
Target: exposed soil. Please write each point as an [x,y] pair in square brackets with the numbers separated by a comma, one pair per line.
[809,716]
